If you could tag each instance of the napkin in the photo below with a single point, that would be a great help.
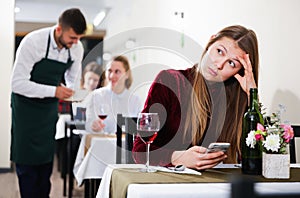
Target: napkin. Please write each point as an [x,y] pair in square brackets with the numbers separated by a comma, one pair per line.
[172,170]
[78,96]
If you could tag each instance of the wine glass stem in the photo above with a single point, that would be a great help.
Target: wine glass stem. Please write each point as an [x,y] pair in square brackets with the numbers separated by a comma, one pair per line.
[148,151]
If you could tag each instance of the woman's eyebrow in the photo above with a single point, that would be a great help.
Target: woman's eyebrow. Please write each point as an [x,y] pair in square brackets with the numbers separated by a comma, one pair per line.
[224,47]
[237,60]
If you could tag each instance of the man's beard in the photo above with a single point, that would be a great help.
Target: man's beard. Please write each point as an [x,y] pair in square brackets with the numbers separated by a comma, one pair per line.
[60,40]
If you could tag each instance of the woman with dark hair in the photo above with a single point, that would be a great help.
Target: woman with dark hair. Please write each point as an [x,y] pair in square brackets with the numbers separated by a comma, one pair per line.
[204,103]
[92,76]
[116,96]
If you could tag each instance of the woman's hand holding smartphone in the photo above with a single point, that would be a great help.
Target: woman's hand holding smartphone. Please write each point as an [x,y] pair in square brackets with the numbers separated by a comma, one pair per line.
[218,146]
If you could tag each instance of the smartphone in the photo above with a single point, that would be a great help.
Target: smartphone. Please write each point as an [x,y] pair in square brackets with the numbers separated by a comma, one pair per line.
[218,146]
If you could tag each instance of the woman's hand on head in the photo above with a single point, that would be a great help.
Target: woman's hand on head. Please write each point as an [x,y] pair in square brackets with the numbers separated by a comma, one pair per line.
[197,158]
[247,81]
[98,125]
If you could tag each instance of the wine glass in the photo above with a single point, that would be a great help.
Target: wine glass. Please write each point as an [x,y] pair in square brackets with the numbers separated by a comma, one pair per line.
[147,127]
[103,111]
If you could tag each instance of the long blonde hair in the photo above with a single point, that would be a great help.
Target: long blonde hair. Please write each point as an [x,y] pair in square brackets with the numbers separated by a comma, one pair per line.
[200,110]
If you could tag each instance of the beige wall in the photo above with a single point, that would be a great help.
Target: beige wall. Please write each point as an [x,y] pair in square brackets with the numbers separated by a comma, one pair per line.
[6,57]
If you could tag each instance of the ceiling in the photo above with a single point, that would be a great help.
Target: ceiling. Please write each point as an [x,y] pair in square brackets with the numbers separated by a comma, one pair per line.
[49,10]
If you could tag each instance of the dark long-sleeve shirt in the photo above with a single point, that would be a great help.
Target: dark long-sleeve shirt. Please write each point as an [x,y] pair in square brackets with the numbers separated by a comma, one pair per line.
[168,96]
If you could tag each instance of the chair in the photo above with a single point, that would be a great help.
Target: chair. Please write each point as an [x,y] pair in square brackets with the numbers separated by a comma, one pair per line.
[243,186]
[80,114]
[293,150]
[71,145]
[130,132]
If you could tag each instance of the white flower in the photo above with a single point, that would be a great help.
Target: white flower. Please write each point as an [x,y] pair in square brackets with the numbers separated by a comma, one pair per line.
[250,140]
[272,142]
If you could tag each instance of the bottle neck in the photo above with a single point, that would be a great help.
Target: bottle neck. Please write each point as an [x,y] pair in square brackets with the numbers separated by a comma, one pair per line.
[253,98]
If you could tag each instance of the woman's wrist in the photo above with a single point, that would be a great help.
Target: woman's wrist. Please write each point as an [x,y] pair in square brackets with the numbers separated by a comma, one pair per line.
[176,156]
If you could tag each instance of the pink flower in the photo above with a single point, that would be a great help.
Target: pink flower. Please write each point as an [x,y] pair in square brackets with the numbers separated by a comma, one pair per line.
[288,132]
[258,137]
[260,127]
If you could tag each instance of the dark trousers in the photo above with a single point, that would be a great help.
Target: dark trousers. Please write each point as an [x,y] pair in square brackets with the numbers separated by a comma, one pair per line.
[34,180]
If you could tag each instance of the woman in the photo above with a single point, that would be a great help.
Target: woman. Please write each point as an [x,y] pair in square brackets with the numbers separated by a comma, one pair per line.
[115,95]
[92,77]
[203,104]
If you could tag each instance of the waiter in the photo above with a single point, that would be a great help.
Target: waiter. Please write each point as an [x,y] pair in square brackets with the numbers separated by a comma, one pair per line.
[43,59]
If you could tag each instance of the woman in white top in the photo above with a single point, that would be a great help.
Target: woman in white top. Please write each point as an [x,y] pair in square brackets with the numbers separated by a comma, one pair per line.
[92,78]
[115,96]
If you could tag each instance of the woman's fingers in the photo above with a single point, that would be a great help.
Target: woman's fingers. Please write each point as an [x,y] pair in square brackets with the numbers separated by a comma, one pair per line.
[97,125]
[247,81]
[198,158]
[207,166]
[210,160]
[198,149]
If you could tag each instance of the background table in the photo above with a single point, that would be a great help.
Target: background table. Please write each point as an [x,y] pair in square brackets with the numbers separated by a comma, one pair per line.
[100,151]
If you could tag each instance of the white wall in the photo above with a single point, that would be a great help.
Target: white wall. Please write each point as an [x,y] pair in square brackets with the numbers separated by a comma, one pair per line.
[276,23]
[6,57]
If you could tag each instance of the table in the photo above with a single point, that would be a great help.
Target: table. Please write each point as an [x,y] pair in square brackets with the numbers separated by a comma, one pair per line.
[119,180]
[100,153]
[94,153]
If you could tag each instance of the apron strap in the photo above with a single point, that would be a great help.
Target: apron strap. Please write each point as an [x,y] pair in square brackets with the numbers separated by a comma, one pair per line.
[70,58]
[48,47]
[47,51]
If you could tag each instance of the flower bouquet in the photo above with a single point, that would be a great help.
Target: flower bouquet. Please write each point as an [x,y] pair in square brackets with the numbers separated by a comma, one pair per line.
[274,138]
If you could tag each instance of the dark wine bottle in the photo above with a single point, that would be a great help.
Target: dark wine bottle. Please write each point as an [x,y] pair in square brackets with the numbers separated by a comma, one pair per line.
[251,157]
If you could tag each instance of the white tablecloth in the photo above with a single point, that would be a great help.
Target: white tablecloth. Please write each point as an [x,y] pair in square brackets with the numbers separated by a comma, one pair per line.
[60,126]
[102,152]
[207,190]
[191,190]
[103,190]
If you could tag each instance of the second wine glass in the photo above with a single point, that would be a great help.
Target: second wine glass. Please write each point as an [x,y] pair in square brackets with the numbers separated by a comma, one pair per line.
[103,111]
[147,127]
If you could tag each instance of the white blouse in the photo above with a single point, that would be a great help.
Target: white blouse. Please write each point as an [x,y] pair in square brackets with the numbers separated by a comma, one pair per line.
[125,103]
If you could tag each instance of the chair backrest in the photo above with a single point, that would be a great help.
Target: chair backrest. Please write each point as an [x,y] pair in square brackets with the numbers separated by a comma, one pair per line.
[80,114]
[243,186]
[294,152]
[120,124]
[130,132]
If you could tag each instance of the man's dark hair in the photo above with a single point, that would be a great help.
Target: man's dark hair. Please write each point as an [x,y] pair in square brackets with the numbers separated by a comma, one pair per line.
[73,18]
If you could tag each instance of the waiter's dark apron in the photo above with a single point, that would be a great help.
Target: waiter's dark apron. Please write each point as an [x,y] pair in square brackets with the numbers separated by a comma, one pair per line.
[34,119]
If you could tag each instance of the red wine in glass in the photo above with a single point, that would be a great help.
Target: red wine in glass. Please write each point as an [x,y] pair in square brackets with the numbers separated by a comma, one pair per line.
[102,117]
[147,127]
[147,136]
